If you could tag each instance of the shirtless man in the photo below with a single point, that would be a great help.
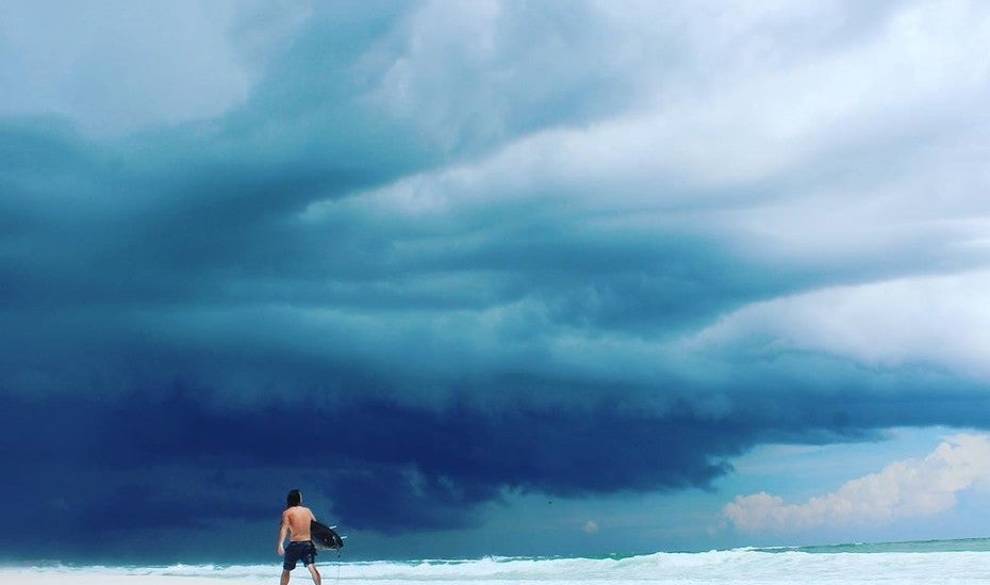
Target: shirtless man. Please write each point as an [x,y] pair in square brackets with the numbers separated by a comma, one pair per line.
[295,524]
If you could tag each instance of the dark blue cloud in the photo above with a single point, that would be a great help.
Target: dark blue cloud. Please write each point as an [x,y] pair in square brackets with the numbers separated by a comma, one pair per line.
[102,469]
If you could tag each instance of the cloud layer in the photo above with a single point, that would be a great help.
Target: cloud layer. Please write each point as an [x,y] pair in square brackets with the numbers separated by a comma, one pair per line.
[489,246]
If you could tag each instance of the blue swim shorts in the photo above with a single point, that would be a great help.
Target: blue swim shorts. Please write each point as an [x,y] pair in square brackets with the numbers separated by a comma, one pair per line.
[304,549]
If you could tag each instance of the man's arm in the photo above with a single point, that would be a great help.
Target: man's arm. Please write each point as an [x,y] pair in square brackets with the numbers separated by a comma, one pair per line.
[283,532]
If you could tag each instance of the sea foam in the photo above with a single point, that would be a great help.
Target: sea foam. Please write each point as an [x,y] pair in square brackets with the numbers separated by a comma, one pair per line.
[743,566]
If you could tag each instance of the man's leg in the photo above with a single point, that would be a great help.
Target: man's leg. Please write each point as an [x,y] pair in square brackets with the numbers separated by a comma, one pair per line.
[316,574]
[285,577]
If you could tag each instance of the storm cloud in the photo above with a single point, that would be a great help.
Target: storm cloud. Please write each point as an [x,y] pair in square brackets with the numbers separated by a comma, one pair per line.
[419,257]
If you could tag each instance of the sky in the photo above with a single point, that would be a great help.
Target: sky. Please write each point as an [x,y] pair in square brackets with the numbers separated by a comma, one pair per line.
[492,278]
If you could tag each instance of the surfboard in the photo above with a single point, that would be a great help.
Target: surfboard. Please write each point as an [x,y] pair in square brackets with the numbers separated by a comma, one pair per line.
[324,536]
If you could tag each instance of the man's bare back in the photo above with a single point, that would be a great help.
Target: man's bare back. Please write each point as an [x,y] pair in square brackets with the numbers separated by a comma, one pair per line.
[297,518]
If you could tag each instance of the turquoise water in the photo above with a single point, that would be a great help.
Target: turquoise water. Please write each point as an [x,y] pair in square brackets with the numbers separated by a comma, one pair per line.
[932,562]
[935,562]
[915,546]
[974,545]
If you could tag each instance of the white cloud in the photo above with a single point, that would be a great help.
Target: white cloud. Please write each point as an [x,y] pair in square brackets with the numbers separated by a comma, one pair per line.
[905,489]
[852,148]
[935,320]
[116,67]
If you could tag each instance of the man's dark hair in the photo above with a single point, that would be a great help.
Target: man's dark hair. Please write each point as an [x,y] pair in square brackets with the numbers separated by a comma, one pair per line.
[293,499]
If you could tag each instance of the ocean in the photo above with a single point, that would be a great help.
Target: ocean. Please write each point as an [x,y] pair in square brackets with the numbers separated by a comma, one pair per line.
[942,562]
